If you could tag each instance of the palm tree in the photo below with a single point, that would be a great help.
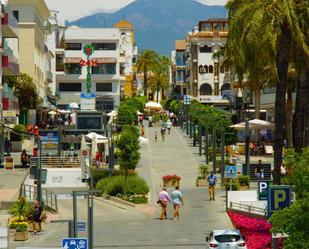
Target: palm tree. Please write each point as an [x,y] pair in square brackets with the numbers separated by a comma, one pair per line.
[146,63]
[279,23]
[158,81]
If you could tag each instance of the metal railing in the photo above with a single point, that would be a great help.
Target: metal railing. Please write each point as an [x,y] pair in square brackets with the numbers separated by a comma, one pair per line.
[49,197]
[248,208]
[56,162]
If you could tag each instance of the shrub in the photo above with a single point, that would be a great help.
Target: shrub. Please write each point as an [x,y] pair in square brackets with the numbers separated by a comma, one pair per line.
[21,133]
[115,185]
[137,199]
[203,170]
[243,180]
[22,227]
[235,184]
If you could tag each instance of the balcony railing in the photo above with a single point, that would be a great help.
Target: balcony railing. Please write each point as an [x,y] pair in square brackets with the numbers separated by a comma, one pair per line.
[9,25]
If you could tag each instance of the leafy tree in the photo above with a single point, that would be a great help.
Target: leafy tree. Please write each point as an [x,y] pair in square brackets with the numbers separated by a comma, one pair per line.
[25,90]
[146,63]
[128,145]
[126,114]
[137,103]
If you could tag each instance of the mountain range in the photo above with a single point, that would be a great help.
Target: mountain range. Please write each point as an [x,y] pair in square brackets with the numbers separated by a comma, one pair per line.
[158,23]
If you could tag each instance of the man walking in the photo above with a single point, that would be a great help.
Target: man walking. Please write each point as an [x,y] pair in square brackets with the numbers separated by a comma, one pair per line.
[259,170]
[212,179]
[164,199]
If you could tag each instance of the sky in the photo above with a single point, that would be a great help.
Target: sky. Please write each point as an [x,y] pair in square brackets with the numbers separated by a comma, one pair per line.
[87,7]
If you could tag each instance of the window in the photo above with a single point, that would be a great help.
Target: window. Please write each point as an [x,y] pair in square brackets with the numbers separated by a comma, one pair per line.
[201,69]
[108,68]
[70,87]
[16,14]
[218,26]
[206,68]
[73,46]
[89,122]
[211,69]
[205,49]
[225,238]
[105,105]
[104,87]
[104,46]
[206,27]
[221,69]
[73,68]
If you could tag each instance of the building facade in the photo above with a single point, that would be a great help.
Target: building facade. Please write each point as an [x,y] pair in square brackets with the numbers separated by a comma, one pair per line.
[32,16]
[71,76]
[208,77]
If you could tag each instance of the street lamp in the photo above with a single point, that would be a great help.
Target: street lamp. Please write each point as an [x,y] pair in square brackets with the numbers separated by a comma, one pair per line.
[223,134]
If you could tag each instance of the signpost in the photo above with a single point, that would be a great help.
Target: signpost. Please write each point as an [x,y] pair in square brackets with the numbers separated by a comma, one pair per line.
[8,163]
[263,190]
[81,226]
[279,197]
[74,243]
[231,172]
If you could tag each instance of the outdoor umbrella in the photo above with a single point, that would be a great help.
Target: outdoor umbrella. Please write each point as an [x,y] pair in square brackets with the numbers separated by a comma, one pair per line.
[73,105]
[83,145]
[94,147]
[143,140]
[100,139]
[153,105]
[255,124]
[52,112]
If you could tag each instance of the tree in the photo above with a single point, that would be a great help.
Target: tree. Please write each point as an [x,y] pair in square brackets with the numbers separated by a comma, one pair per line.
[146,63]
[25,90]
[128,145]
[280,24]
[126,115]
[158,81]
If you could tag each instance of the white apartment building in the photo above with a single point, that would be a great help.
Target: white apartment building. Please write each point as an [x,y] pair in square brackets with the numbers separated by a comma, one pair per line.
[71,76]
[209,79]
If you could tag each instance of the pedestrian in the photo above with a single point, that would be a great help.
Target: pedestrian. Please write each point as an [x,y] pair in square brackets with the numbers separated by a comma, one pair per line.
[176,199]
[212,179]
[140,120]
[143,131]
[164,199]
[259,170]
[37,218]
[156,136]
[163,133]
[36,134]
[24,158]
[98,158]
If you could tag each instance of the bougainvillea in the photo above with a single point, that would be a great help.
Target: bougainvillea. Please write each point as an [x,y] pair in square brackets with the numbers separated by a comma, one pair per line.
[255,230]
[170,177]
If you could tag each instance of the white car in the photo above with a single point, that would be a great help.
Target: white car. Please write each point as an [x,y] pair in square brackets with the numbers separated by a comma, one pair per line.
[225,239]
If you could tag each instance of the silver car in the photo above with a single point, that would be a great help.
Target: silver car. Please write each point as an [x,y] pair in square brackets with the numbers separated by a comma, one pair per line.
[225,239]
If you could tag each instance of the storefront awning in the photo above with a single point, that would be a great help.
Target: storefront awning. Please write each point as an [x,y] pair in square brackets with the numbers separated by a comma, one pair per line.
[75,60]
[104,60]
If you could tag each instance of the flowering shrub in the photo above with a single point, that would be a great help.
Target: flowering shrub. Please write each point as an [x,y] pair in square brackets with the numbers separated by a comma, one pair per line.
[255,230]
[171,177]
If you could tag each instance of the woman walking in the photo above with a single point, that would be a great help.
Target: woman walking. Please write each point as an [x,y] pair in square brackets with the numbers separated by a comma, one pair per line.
[176,198]
[164,199]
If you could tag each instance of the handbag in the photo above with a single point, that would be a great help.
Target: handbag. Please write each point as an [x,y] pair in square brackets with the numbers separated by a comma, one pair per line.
[158,201]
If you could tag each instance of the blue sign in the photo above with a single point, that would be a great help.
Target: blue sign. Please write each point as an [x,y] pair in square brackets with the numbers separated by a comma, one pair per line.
[186,100]
[74,243]
[263,190]
[87,95]
[279,197]
[50,140]
[231,171]
[81,226]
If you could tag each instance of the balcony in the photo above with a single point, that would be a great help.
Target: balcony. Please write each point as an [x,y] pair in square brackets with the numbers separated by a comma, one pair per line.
[10,65]
[9,26]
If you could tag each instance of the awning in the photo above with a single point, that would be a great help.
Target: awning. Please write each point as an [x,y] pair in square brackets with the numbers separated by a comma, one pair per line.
[75,60]
[104,60]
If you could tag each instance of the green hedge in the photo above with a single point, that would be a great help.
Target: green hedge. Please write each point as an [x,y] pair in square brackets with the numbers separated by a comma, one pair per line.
[243,180]
[235,184]
[99,174]
[115,185]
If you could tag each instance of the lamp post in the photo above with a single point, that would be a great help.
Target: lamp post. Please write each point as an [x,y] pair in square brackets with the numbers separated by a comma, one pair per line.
[223,134]
[206,145]
[200,134]
[247,148]
[214,144]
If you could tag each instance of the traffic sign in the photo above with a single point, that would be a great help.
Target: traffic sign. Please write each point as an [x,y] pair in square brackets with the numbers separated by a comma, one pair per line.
[81,226]
[279,197]
[74,243]
[85,153]
[230,171]
[263,190]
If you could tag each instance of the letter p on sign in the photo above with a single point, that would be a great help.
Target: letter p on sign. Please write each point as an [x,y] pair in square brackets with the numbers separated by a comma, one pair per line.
[280,197]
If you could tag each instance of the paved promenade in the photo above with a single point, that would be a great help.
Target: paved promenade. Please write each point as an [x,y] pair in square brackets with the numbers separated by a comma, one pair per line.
[140,227]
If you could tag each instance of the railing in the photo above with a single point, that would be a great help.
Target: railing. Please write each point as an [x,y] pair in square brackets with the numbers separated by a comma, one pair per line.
[49,197]
[56,162]
[248,208]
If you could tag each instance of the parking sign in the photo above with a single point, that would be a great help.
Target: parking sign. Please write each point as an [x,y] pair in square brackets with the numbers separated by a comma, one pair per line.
[279,197]
[263,190]
[74,243]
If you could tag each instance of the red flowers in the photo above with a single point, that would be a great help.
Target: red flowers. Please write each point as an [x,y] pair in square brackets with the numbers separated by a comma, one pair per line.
[171,177]
[255,230]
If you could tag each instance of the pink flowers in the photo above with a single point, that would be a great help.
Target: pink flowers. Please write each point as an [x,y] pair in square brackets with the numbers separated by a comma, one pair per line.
[171,177]
[255,230]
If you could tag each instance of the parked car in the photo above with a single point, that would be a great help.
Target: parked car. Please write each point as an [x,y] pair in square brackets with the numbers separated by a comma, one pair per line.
[225,239]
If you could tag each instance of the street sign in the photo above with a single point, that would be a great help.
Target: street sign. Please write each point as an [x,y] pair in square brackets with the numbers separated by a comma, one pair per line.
[186,100]
[263,190]
[279,197]
[74,243]
[81,226]
[85,153]
[230,171]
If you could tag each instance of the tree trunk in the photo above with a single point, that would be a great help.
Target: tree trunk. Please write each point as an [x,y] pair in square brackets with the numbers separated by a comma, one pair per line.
[145,83]
[257,102]
[289,118]
[282,62]
[158,91]
[307,111]
[300,109]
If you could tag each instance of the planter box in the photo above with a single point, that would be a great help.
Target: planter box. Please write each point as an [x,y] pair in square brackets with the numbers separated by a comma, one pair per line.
[21,236]
[171,183]
[244,187]
[201,183]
